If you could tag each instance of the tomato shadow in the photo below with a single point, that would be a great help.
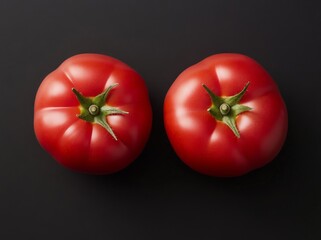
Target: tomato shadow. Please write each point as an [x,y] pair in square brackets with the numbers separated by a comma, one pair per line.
[268,176]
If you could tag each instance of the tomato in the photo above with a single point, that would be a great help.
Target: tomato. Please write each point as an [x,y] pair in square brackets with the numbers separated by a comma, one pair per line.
[93,114]
[225,116]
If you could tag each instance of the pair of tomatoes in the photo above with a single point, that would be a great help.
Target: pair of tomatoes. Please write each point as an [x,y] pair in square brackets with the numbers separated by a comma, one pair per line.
[224,116]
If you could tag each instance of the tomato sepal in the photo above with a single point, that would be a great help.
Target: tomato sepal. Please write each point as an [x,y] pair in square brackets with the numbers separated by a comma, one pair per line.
[95,110]
[226,109]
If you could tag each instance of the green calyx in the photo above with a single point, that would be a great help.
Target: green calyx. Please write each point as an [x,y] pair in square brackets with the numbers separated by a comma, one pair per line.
[95,110]
[226,109]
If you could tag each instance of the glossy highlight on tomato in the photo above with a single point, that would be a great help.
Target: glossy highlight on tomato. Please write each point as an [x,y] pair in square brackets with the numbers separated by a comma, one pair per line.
[225,116]
[93,114]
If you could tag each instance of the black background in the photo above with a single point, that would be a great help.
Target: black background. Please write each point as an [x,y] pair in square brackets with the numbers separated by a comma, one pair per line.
[158,197]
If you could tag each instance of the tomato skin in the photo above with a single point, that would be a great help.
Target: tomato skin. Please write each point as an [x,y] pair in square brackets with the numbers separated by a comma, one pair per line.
[85,146]
[209,146]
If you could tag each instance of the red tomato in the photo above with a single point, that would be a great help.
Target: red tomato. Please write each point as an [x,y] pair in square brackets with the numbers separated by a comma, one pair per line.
[93,114]
[224,116]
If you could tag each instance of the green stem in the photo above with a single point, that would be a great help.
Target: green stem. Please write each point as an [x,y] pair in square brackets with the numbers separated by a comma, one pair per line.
[95,109]
[226,109]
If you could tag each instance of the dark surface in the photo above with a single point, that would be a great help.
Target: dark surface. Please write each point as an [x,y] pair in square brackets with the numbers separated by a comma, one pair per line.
[158,197]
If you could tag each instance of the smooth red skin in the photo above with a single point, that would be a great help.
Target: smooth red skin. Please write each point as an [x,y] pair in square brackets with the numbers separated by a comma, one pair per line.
[209,146]
[84,146]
